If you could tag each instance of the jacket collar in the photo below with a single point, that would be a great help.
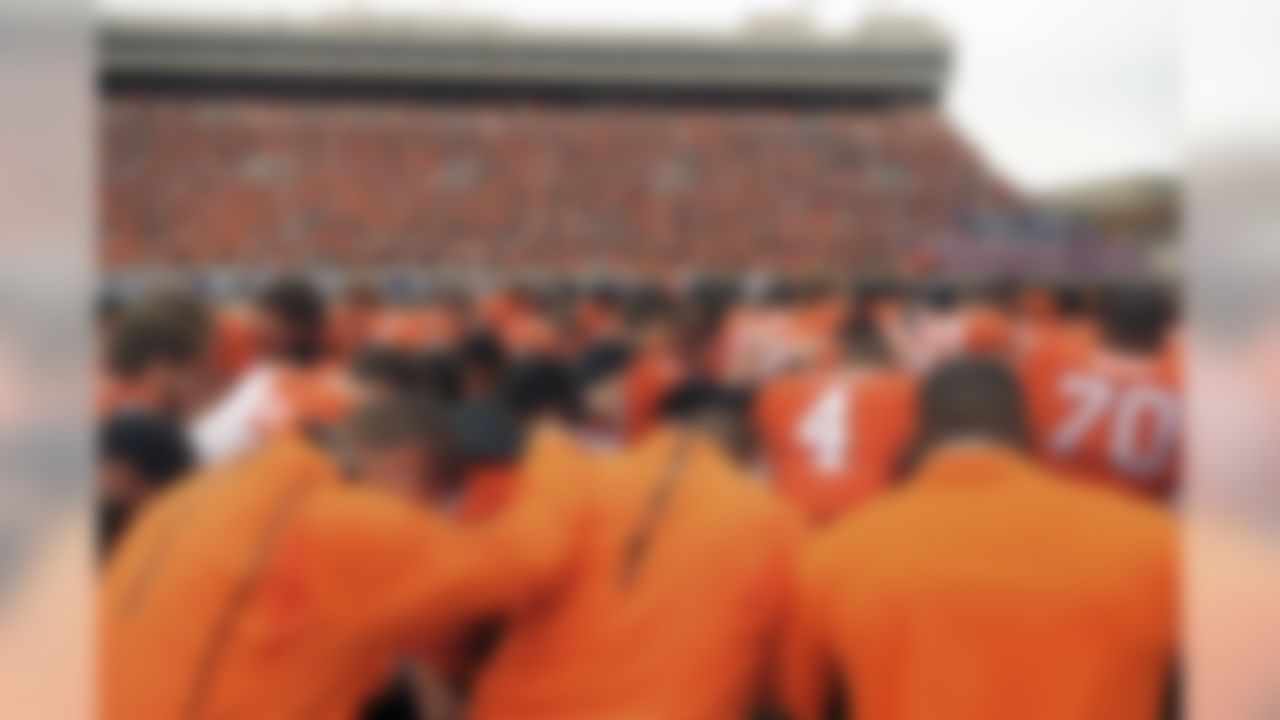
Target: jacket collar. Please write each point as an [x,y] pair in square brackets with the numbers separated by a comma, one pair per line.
[973,462]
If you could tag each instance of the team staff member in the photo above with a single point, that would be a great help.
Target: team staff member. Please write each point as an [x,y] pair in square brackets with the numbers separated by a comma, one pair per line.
[672,605]
[271,588]
[987,587]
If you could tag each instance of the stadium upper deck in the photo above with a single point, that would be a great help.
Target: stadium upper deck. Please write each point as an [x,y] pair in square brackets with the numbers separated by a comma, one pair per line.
[341,146]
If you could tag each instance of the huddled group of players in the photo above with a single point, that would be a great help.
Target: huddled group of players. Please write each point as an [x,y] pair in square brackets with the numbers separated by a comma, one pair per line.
[642,501]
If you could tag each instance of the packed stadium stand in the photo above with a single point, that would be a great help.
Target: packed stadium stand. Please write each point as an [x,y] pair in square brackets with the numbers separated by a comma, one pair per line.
[338,147]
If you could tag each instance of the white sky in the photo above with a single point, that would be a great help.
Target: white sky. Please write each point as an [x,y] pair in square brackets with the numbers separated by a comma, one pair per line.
[1054,91]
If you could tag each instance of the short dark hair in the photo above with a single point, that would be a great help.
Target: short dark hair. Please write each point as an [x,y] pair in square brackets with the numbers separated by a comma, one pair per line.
[971,397]
[861,337]
[434,375]
[184,308]
[481,350]
[540,385]
[486,432]
[294,300]
[1001,291]
[699,397]
[1070,300]
[300,307]
[392,421]
[152,445]
[645,305]
[938,295]
[145,336]
[603,360]
[388,366]
[439,376]
[1136,316]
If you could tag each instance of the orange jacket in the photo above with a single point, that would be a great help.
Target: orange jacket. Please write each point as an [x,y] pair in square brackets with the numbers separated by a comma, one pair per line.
[270,589]
[987,589]
[670,608]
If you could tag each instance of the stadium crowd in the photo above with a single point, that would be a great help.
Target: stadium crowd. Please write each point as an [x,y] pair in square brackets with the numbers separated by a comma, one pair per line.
[705,498]
[218,181]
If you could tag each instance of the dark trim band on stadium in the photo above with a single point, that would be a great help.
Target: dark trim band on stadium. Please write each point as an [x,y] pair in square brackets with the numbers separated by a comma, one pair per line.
[333,61]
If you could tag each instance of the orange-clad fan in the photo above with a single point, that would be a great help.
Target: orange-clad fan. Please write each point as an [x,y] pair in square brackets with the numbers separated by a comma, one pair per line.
[235,342]
[355,319]
[672,607]
[833,438]
[1066,319]
[271,588]
[297,384]
[656,367]
[1110,410]
[603,375]
[986,587]
[599,317]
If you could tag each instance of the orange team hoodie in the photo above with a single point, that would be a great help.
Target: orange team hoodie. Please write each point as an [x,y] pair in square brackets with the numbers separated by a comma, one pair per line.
[988,589]
[269,588]
[672,607]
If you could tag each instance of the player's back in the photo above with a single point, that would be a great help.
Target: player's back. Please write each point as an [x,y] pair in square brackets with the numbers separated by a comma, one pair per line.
[988,588]
[671,607]
[182,574]
[1106,416]
[834,438]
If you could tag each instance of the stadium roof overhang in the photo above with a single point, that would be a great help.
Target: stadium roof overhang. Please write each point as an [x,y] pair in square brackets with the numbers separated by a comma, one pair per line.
[204,59]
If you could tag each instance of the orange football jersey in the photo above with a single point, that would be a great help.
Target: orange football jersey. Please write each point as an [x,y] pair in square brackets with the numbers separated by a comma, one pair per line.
[1106,417]
[833,438]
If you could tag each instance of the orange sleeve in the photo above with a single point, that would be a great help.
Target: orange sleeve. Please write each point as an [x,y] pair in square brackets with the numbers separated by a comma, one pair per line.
[805,669]
[487,491]
[784,585]
[408,576]
[530,541]
[762,410]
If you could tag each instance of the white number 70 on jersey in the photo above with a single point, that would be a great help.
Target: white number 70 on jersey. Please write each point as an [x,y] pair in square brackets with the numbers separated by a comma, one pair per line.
[1130,408]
